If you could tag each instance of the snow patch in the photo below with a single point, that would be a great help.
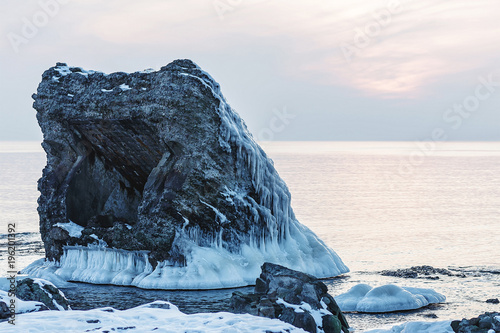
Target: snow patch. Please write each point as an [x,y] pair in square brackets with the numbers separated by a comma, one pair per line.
[124,87]
[388,298]
[145,318]
[303,307]
[72,228]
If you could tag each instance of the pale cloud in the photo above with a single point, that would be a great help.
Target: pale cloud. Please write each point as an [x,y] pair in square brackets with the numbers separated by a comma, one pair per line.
[269,47]
[413,42]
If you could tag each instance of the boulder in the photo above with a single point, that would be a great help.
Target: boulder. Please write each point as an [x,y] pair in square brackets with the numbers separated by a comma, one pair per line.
[42,291]
[153,180]
[294,297]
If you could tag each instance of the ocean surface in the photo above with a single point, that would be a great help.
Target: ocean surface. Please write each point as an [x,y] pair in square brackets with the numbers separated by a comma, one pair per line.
[379,205]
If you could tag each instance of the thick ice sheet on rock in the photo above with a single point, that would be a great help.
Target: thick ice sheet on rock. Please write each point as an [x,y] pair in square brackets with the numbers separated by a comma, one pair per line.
[158,316]
[206,268]
[388,298]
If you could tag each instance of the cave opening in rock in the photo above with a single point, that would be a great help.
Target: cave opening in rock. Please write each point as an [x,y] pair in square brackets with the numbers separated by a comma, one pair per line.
[115,160]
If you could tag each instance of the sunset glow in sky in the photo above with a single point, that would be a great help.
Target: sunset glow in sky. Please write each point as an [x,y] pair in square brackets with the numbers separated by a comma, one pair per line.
[344,70]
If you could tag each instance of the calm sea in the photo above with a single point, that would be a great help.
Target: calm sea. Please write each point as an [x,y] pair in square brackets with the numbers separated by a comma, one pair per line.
[379,205]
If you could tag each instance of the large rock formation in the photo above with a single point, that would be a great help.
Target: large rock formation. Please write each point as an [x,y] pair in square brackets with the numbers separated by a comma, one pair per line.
[153,180]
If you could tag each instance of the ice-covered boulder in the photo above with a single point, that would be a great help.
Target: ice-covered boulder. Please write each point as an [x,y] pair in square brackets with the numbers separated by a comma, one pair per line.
[294,297]
[388,298]
[153,180]
[29,295]
[10,305]
[42,291]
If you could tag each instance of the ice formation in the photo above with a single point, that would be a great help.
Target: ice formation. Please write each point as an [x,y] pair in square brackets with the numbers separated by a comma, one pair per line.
[157,183]
[417,327]
[158,316]
[388,298]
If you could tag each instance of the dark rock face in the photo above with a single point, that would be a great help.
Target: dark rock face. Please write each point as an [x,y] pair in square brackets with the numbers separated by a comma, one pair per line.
[42,291]
[4,310]
[151,161]
[294,297]
[485,323]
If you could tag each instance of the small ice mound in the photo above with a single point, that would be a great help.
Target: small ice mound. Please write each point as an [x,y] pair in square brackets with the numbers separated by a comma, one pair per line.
[158,316]
[388,298]
[417,327]
[430,295]
[349,300]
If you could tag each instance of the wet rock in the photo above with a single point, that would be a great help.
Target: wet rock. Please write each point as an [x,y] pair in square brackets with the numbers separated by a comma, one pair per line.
[486,323]
[420,272]
[42,291]
[293,297]
[493,301]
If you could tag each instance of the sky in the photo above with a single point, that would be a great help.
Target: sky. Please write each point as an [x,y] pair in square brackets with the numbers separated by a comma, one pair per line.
[358,70]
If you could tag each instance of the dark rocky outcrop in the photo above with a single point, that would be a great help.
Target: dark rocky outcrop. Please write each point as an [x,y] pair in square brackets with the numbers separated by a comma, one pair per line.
[294,297]
[158,163]
[493,301]
[4,310]
[485,323]
[421,272]
[41,291]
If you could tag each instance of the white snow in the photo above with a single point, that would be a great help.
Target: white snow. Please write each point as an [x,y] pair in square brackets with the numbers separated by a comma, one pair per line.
[158,316]
[63,70]
[303,307]
[66,70]
[74,229]
[106,90]
[388,298]
[125,87]
[417,327]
